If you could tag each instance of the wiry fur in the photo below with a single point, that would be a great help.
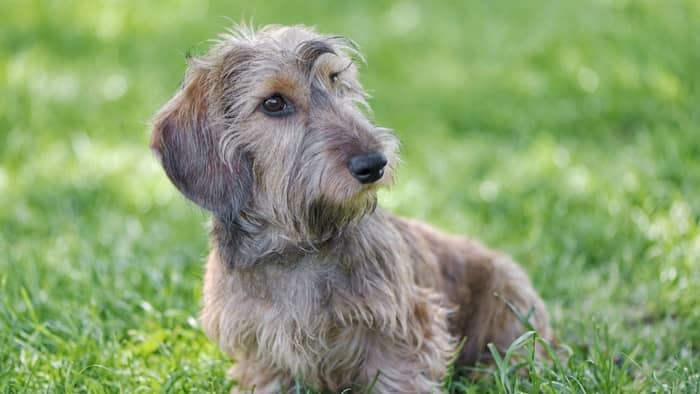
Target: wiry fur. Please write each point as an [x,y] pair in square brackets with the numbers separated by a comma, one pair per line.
[306,278]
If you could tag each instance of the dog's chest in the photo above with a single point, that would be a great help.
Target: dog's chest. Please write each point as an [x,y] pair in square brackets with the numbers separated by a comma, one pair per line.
[299,315]
[309,285]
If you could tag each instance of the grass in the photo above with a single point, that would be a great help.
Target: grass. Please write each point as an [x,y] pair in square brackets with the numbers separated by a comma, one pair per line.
[566,133]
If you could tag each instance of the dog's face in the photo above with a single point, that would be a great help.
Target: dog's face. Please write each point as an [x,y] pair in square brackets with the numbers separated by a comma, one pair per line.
[268,124]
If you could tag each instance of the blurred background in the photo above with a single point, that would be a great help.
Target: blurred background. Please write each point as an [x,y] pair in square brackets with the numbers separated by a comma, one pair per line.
[566,133]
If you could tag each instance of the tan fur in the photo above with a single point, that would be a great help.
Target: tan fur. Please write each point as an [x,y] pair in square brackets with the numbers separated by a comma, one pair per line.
[306,279]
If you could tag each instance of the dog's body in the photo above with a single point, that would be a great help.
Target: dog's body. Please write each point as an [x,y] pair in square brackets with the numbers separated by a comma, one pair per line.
[372,301]
[306,279]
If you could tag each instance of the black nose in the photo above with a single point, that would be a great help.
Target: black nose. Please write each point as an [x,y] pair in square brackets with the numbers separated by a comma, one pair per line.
[367,167]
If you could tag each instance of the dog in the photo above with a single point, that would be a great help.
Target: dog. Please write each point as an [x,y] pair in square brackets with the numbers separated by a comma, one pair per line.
[307,280]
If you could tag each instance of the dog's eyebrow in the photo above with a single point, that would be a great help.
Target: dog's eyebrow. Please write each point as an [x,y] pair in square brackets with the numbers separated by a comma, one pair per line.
[344,69]
[309,51]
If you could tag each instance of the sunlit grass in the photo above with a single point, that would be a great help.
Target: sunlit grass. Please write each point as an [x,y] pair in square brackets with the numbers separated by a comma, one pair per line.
[563,132]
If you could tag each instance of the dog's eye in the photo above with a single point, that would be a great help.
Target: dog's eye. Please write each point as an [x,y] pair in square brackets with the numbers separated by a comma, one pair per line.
[333,77]
[276,105]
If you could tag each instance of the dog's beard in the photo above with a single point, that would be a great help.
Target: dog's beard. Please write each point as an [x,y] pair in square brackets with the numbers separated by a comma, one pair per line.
[326,219]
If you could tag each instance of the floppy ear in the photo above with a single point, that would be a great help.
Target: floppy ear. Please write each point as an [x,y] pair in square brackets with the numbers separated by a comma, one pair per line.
[187,144]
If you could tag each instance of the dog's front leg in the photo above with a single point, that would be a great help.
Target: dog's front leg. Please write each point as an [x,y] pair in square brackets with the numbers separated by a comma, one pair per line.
[250,377]
[413,358]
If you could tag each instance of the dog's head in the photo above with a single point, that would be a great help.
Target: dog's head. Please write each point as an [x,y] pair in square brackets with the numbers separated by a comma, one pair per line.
[270,124]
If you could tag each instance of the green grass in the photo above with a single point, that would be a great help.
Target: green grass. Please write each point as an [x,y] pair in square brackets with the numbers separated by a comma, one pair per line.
[567,133]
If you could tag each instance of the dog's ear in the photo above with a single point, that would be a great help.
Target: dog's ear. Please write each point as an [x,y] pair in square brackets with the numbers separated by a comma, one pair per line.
[186,140]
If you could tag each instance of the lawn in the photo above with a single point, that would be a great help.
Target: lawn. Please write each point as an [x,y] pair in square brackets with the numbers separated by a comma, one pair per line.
[564,132]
